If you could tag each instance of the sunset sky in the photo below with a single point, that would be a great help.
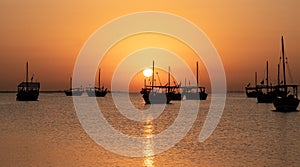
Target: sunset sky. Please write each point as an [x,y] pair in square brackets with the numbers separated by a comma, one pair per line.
[50,34]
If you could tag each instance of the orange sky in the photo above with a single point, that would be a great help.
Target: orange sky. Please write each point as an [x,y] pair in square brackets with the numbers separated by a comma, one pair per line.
[49,34]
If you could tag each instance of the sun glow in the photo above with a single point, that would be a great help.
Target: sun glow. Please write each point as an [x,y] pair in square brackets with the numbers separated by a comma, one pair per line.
[147,72]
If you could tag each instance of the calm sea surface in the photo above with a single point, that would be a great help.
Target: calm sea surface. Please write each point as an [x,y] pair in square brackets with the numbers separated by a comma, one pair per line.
[48,133]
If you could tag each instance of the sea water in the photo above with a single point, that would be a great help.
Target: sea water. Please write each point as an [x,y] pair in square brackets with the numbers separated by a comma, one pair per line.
[48,133]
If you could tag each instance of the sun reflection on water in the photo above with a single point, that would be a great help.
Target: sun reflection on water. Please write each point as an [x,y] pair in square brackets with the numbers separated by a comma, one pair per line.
[148,144]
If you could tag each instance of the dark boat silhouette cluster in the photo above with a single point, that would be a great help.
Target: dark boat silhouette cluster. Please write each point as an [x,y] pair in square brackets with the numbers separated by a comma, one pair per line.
[283,96]
[156,94]
[29,91]
[159,94]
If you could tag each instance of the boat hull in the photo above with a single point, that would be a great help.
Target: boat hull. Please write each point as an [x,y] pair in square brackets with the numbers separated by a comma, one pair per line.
[27,96]
[157,98]
[286,104]
[73,93]
[265,98]
[196,96]
[95,93]
[177,96]
[252,94]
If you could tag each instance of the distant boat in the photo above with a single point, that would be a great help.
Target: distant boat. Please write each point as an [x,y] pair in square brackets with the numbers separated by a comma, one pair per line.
[28,91]
[266,93]
[97,91]
[156,94]
[251,91]
[73,91]
[174,90]
[194,92]
[287,101]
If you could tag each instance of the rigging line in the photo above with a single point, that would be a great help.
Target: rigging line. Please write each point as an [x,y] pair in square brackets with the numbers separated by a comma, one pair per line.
[279,67]
[174,80]
[158,78]
[270,80]
[289,70]
[262,82]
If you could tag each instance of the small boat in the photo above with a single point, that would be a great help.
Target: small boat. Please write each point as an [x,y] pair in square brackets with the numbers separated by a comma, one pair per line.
[97,91]
[266,93]
[28,91]
[154,94]
[251,91]
[287,101]
[73,91]
[175,89]
[194,92]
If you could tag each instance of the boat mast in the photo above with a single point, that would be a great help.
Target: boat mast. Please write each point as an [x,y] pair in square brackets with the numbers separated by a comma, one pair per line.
[283,65]
[267,79]
[70,83]
[197,76]
[152,84]
[169,79]
[26,75]
[197,72]
[255,79]
[26,71]
[278,74]
[99,78]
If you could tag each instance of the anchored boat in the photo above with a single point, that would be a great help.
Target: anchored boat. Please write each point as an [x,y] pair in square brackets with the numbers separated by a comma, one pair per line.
[287,101]
[266,93]
[28,91]
[73,91]
[251,91]
[97,91]
[154,94]
[194,92]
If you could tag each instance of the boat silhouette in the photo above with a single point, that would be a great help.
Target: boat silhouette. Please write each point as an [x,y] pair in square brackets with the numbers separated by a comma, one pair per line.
[156,94]
[287,101]
[266,93]
[194,92]
[73,91]
[97,91]
[28,91]
[251,91]
[174,90]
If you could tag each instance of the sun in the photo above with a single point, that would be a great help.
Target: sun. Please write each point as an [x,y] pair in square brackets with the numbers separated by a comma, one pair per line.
[147,72]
